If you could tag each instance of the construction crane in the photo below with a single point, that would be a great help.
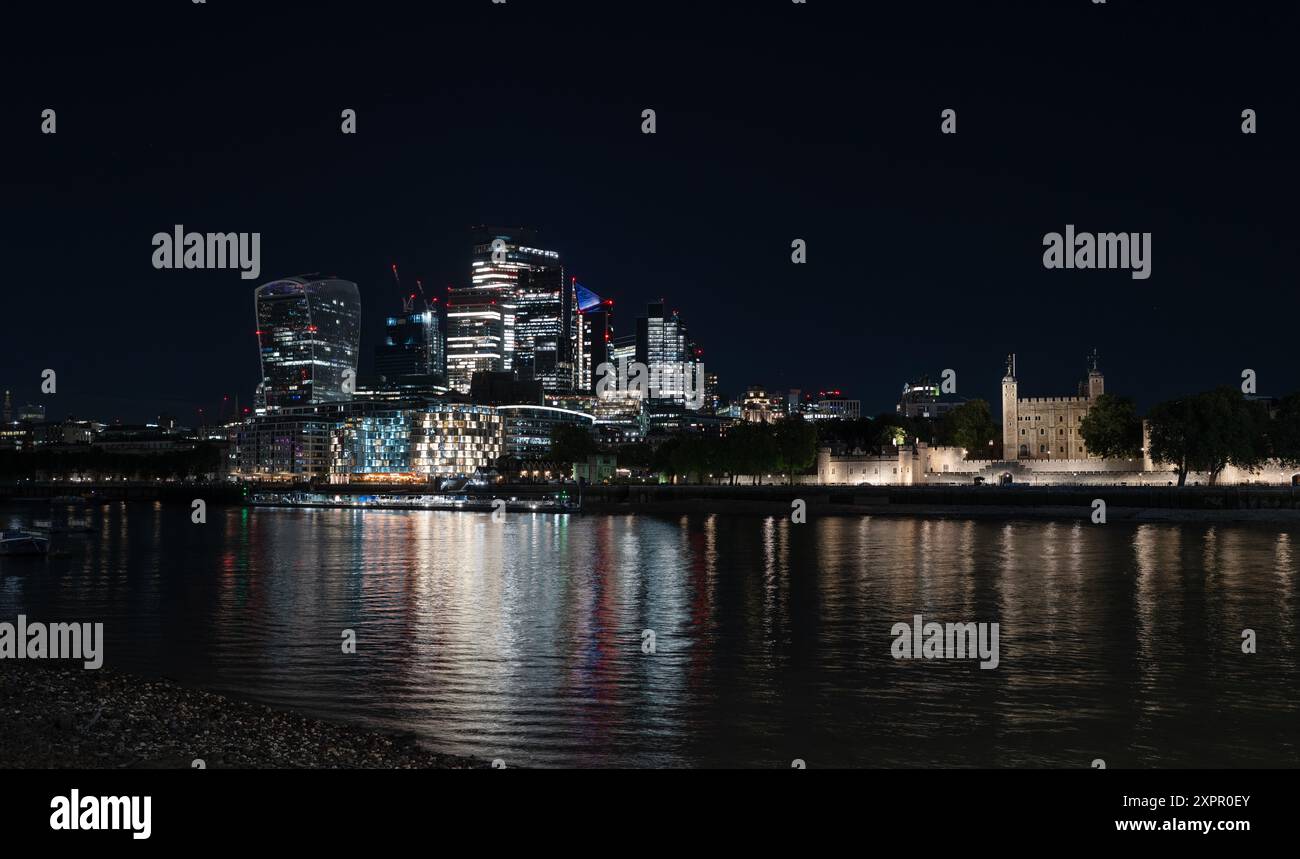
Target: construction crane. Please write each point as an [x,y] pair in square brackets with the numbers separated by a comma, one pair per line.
[408,301]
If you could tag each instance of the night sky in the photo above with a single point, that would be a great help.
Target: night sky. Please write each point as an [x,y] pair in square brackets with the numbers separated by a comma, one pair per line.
[776,121]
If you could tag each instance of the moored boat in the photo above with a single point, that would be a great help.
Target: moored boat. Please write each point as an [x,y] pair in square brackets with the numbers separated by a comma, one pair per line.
[23,543]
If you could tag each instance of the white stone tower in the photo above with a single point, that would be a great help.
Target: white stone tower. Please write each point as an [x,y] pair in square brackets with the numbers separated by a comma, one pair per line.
[1096,381]
[1010,411]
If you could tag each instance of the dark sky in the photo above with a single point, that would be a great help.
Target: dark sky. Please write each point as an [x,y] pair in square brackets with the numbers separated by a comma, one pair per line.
[775,121]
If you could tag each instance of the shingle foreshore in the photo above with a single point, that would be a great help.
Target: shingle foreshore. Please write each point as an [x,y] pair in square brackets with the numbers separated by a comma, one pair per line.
[59,717]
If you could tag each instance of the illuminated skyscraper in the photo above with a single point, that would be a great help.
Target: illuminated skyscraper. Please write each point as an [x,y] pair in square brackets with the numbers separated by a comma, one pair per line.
[412,346]
[545,325]
[666,349]
[499,254]
[309,334]
[595,336]
[474,336]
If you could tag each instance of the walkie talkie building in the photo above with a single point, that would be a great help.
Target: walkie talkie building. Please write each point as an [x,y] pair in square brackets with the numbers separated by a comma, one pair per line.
[309,336]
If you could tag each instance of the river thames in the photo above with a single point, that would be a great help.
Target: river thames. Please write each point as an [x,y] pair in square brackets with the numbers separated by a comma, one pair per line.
[527,640]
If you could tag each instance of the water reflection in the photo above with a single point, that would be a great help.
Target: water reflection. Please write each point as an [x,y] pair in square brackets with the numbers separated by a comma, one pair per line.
[524,640]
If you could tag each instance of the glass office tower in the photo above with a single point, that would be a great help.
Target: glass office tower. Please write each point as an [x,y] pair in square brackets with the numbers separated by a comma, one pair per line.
[412,346]
[544,328]
[498,255]
[595,337]
[309,335]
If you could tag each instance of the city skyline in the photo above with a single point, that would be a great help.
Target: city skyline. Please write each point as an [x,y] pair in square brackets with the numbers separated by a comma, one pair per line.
[566,384]
[924,249]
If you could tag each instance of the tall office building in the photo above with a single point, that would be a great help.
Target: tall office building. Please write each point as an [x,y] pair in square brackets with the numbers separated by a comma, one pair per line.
[666,349]
[594,337]
[475,336]
[498,256]
[545,323]
[624,349]
[308,334]
[412,346]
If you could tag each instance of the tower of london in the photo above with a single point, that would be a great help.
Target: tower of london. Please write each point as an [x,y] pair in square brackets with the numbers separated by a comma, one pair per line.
[1047,427]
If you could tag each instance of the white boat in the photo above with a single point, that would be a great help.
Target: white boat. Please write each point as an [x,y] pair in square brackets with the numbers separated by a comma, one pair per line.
[23,543]
[72,526]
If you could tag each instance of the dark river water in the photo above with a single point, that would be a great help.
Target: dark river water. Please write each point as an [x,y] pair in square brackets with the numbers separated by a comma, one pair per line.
[772,641]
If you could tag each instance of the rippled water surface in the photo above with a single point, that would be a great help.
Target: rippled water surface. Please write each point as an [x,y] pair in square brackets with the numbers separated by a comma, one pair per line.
[523,640]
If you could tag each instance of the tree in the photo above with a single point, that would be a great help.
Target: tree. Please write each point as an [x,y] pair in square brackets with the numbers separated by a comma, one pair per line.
[1112,429]
[972,427]
[795,445]
[1169,425]
[750,448]
[661,461]
[696,456]
[890,430]
[850,433]
[571,443]
[1208,432]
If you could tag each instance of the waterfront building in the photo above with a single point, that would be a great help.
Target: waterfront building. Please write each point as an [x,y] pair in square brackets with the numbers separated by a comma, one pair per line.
[527,429]
[309,336]
[292,444]
[455,439]
[1047,427]
[597,468]
[436,440]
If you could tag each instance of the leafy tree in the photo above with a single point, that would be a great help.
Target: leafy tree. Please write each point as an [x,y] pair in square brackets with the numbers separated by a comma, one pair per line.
[635,455]
[1208,432]
[972,427]
[1170,427]
[795,442]
[851,433]
[661,461]
[571,443]
[695,457]
[751,449]
[1112,428]
[890,430]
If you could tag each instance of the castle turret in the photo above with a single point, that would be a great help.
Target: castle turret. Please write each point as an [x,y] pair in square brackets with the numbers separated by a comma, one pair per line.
[1096,381]
[1010,411]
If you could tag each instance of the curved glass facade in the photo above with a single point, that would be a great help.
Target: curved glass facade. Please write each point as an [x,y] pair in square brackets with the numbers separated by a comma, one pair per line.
[309,336]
